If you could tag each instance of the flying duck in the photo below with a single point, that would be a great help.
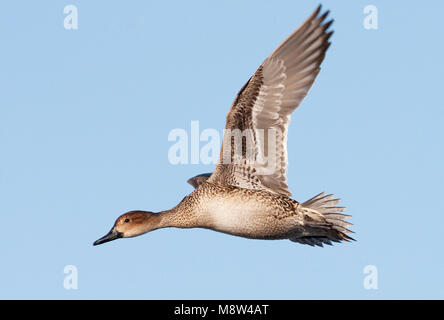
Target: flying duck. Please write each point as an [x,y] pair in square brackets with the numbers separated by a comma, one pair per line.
[247,194]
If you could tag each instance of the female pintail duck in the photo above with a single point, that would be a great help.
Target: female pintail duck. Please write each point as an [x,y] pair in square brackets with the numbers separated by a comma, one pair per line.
[243,197]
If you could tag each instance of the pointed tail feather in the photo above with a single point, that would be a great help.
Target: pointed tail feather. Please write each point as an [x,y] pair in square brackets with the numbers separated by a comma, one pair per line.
[333,222]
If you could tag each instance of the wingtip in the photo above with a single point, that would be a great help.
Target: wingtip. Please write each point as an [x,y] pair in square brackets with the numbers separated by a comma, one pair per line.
[328,24]
[316,12]
[324,15]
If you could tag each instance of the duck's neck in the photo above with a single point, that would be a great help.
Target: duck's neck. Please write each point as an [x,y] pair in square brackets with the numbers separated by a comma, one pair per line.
[174,218]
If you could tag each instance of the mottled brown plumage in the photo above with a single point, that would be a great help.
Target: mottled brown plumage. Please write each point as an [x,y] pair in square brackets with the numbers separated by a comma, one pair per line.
[247,195]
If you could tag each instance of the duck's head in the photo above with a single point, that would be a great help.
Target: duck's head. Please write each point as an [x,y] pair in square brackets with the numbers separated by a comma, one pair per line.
[131,224]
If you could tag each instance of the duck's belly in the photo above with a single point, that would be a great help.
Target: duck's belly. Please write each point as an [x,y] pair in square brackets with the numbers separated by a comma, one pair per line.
[249,217]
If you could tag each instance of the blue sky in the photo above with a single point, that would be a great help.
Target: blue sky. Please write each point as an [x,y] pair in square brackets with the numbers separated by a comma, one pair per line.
[84,121]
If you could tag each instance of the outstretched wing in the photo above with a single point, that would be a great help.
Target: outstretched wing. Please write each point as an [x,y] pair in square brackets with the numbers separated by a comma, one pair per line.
[260,114]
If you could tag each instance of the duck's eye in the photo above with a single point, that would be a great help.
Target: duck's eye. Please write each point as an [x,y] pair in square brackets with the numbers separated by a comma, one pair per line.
[127,220]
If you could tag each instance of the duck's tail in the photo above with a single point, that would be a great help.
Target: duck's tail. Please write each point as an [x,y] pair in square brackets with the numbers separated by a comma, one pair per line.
[324,220]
